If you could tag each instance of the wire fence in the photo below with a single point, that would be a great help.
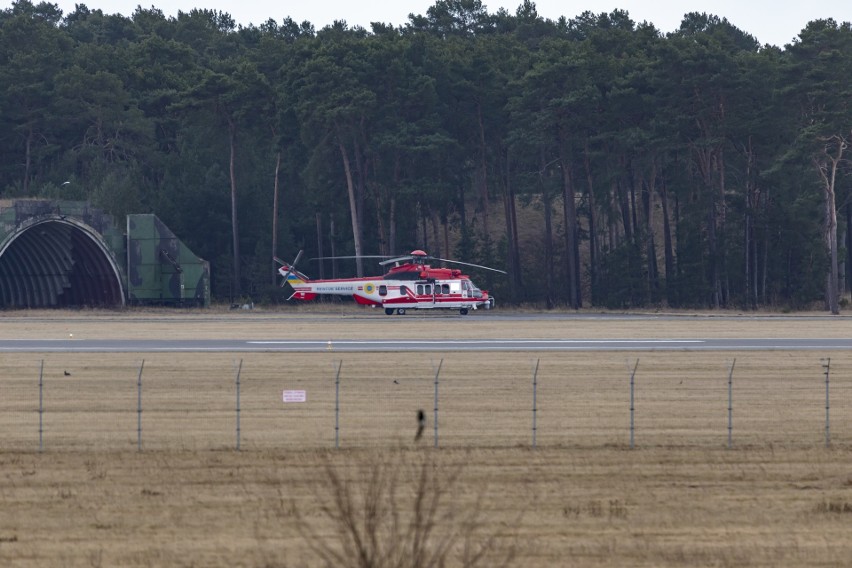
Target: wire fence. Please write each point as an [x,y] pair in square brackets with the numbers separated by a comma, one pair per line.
[203,402]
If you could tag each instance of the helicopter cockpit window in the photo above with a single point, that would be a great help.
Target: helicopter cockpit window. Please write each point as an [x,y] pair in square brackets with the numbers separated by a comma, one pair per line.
[383,290]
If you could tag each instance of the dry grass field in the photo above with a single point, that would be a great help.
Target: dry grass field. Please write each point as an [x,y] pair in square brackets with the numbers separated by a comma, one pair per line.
[582,497]
[347,321]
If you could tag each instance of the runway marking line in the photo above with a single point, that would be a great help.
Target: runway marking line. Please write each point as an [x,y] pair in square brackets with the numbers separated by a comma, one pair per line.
[476,341]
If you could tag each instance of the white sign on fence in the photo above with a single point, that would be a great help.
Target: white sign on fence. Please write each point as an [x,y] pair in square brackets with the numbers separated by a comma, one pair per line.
[295,396]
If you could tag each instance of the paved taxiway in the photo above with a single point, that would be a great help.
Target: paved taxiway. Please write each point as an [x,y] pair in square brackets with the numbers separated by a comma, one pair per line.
[384,345]
[345,343]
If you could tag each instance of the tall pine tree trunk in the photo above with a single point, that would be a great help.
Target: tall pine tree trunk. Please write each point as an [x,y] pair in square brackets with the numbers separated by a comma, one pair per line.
[750,245]
[668,251]
[547,201]
[594,249]
[724,282]
[572,249]
[513,255]
[484,168]
[331,243]
[275,219]
[235,229]
[353,211]
[320,246]
[392,221]
[651,247]
[848,241]
[827,165]
[28,160]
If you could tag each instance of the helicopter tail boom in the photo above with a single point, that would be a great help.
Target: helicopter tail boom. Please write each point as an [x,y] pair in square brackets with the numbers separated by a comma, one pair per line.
[299,282]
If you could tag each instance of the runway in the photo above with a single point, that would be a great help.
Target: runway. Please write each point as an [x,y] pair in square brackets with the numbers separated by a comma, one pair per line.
[411,345]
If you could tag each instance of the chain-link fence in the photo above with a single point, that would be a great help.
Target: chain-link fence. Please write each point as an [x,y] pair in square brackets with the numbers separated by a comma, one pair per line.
[216,401]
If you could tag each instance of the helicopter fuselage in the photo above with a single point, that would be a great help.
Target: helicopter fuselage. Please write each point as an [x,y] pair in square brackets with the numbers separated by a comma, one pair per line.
[410,283]
[409,286]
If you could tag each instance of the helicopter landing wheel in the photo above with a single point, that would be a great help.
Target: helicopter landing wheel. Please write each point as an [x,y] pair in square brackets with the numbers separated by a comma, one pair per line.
[400,311]
[388,311]
[463,311]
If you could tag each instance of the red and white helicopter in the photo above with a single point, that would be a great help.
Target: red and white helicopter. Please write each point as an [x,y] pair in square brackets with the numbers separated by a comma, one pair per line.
[410,283]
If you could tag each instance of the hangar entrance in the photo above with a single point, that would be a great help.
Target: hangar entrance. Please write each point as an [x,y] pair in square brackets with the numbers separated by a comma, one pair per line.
[55,262]
[62,254]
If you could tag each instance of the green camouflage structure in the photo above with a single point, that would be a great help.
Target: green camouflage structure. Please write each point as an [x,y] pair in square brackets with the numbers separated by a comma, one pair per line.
[161,269]
[70,254]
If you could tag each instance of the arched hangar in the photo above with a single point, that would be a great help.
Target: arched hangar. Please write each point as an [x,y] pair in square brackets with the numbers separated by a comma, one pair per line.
[56,254]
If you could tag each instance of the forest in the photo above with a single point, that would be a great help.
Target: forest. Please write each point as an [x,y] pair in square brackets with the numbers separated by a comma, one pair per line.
[598,161]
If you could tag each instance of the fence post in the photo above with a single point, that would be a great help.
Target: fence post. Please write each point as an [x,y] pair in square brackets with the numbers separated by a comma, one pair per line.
[731,404]
[237,372]
[827,366]
[139,407]
[632,407]
[41,407]
[337,406]
[535,399]
[437,373]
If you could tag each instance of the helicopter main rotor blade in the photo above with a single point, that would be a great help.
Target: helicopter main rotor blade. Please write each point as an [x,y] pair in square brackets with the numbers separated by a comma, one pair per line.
[347,257]
[468,264]
[398,259]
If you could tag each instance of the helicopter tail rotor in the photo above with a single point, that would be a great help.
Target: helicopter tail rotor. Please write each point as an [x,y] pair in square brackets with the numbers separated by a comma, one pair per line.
[290,269]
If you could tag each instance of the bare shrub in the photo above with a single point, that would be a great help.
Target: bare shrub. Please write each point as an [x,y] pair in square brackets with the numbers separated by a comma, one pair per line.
[401,510]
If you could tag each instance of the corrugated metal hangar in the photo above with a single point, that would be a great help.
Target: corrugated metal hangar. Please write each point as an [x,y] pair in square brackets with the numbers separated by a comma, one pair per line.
[56,254]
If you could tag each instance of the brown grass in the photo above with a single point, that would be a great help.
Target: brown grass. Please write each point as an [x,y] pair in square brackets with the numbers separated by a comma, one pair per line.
[778,498]
[584,507]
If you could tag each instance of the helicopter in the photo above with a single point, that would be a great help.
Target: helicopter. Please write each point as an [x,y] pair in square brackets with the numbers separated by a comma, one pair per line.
[410,283]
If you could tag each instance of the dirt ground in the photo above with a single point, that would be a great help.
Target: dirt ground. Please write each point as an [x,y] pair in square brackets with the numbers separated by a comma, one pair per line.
[581,497]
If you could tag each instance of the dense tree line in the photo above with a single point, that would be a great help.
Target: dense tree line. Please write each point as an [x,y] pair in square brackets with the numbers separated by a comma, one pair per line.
[600,162]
